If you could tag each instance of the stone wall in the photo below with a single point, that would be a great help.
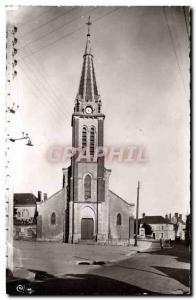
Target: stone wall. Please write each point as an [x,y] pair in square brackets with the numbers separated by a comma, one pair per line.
[45,229]
[27,232]
[125,231]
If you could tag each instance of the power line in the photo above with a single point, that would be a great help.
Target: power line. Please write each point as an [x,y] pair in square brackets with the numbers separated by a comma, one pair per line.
[56,106]
[40,90]
[110,12]
[185,19]
[38,27]
[37,89]
[48,84]
[43,80]
[51,98]
[34,91]
[56,29]
[68,34]
[49,89]
[35,18]
[174,49]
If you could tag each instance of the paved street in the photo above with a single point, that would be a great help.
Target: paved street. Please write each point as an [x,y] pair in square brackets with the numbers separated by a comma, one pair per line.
[57,258]
[162,271]
[153,271]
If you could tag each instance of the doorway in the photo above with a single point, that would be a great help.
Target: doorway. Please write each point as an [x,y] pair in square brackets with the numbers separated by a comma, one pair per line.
[87,229]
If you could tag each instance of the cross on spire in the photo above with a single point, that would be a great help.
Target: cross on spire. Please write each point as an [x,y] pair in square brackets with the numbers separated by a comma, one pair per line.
[89,24]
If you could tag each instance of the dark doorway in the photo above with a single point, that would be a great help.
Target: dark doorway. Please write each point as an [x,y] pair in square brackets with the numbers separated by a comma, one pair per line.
[153,235]
[87,229]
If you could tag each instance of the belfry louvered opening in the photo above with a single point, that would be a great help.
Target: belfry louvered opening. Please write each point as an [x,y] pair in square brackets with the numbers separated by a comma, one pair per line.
[92,141]
[84,139]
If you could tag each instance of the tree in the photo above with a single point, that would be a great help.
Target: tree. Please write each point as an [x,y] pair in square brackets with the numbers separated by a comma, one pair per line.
[147,228]
[188,230]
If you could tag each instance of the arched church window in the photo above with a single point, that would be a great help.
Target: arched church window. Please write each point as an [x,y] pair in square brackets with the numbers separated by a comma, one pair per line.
[87,187]
[84,138]
[53,219]
[92,141]
[119,220]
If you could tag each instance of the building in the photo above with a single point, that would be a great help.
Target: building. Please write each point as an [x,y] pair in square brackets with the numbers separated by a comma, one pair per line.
[179,225]
[85,208]
[161,227]
[25,215]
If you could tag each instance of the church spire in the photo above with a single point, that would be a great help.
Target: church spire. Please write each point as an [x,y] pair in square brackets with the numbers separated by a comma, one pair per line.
[88,93]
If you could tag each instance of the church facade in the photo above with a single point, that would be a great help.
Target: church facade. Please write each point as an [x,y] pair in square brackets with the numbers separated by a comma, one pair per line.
[85,209]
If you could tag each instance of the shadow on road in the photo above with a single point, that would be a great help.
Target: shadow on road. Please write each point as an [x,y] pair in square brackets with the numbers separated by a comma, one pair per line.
[72,284]
[181,253]
[142,270]
[181,275]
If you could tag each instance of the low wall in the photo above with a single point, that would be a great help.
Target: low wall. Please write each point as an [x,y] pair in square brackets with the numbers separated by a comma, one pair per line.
[26,232]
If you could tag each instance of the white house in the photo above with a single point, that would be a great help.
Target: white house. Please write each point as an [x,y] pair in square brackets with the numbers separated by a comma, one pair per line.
[161,227]
[25,213]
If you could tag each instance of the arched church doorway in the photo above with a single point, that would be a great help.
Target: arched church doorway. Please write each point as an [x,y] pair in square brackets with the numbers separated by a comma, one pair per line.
[87,228]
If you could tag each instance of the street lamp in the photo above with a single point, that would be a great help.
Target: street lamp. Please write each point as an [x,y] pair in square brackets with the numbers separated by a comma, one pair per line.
[29,143]
[24,137]
[13,108]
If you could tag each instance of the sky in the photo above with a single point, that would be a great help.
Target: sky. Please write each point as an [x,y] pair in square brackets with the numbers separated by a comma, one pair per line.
[141,59]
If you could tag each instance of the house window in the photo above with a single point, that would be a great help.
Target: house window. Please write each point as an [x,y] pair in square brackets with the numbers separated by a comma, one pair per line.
[84,139]
[87,187]
[92,141]
[53,219]
[119,220]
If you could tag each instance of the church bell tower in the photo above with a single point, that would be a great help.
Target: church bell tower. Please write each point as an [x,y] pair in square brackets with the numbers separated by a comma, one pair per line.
[87,170]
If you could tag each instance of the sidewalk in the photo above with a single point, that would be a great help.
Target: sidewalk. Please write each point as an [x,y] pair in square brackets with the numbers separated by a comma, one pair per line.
[56,258]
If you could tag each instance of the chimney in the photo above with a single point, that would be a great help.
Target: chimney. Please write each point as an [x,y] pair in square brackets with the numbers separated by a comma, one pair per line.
[166,216]
[176,216]
[170,216]
[39,196]
[143,215]
[45,196]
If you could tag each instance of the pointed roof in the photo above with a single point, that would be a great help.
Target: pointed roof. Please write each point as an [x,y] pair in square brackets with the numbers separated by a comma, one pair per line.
[155,220]
[24,199]
[88,86]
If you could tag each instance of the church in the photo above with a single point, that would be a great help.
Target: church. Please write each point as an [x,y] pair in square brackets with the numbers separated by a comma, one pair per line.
[85,209]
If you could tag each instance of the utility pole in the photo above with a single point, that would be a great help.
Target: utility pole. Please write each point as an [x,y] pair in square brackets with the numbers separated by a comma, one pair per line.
[11,73]
[137,210]
[11,108]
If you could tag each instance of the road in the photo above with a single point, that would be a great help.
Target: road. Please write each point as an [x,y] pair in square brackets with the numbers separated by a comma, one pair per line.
[153,272]
[162,271]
